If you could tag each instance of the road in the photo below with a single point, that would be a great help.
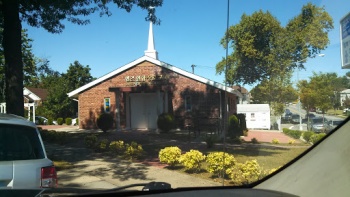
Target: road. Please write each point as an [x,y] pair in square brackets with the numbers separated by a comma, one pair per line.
[294,109]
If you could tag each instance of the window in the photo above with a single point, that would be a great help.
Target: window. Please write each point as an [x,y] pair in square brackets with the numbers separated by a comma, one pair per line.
[19,143]
[188,103]
[107,104]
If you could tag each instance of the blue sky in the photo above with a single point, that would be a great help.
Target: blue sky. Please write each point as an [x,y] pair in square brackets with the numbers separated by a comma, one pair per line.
[189,33]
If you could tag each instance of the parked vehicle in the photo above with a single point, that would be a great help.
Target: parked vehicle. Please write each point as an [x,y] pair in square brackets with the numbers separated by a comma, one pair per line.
[295,119]
[319,111]
[40,120]
[318,125]
[334,123]
[23,160]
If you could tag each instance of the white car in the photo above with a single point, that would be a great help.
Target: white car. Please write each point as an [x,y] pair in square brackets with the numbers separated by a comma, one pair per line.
[23,160]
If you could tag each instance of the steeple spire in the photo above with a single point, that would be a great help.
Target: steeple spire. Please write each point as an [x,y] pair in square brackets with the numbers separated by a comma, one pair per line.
[151,52]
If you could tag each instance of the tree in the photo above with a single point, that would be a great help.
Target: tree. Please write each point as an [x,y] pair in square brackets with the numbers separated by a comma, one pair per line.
[48,15]
[275,92]
[263,49]
[58,104]
[29,62]
[318,92]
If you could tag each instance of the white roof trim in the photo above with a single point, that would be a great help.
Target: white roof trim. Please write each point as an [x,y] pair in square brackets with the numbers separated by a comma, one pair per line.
[30,94]
[159,63]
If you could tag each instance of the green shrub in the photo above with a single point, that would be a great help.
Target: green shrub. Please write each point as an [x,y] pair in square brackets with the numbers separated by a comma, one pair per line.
[275,141]
[316,137]
[77,121]
[292,133]
[236,140]
[165,122]
[218,161]
[307,135]
[242,122]
[170,155]
[105,122]
[234,130]
[91,141]
[255,141]
[210,140]
[68,121]
[117,147]
[133,150]
[59,121]
[103,145]
[192,160]
[245,173]
[50,121]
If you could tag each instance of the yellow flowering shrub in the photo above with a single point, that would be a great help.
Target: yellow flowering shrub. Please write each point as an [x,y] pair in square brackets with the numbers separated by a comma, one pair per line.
[103,145]
[291,141]
[170,155]
[117,147]
[244,173]
[133,150]
[275,141]
[217,161]
[192,160]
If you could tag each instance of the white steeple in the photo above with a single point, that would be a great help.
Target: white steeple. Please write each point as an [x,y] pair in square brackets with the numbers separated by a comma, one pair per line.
[151,52]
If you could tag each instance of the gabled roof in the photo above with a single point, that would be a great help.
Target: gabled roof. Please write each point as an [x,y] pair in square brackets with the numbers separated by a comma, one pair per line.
[253,108]
[220,86]
[241,89]
[35,94]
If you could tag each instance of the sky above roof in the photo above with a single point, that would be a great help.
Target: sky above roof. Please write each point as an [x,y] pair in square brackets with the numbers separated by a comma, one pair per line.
[189,34]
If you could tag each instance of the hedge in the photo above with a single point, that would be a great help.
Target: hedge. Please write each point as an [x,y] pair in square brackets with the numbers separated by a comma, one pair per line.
[292,133]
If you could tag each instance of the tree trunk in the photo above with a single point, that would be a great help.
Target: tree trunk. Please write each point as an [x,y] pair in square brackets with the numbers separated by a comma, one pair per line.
[13,57]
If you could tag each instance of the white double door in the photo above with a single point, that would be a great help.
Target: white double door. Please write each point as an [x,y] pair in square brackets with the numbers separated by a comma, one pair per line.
[145,108]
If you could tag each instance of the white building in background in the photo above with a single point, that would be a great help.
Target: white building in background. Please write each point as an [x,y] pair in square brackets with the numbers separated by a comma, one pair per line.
[257,115]
[343,95]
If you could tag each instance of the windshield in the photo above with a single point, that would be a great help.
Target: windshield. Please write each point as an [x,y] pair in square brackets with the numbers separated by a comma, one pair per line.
[19,143]
[164,92]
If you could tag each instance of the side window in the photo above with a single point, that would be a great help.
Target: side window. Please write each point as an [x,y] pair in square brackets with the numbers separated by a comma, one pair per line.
[188,103]
[252,115]
[107,104]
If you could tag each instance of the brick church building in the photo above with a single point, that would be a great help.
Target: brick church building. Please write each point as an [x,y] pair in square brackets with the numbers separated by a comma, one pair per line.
[136,93]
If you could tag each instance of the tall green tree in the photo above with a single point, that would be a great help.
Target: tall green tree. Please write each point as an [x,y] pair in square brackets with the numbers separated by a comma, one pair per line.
[262,48]
[318,91]
[48,15]
[58,85]
[275,92]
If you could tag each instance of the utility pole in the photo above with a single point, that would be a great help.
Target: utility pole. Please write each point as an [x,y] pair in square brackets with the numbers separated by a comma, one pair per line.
[193,68]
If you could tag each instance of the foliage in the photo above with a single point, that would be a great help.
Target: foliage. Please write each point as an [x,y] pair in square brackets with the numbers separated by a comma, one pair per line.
[219,161]
[210,140]
[255,141]
[103,145]
[275,141]
[133,150]
[262,48]
[68,121]
[307,135]
[292,133]
[54,136]
[316,137]
[291,141]
[192,160]
[91,141]
[170,155]
[165,122]
[48,15]
[245,173]
[234,129]
[117,147]
[59,121]
[50,121]
[242,122]
[105,122]
[320,91]
[275,91]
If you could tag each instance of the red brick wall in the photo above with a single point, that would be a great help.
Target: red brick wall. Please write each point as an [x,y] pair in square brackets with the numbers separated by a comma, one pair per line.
[205,98]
